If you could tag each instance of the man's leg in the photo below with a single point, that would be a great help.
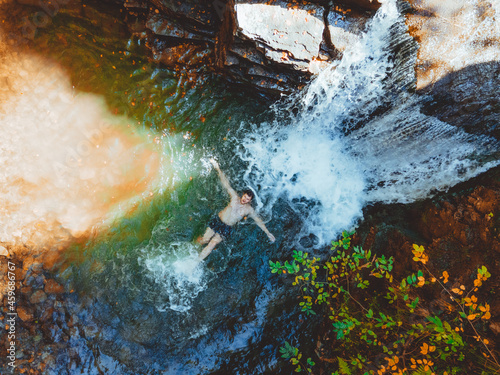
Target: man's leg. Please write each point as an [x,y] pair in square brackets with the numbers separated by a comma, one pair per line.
[209,233]
[211,245]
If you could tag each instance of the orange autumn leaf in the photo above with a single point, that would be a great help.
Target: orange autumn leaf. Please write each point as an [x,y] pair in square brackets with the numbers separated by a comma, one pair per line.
[484,308]
[421,281]
[424,349]
[446,276]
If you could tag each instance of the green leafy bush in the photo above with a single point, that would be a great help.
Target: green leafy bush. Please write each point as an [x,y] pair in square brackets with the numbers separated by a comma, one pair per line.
[384,328]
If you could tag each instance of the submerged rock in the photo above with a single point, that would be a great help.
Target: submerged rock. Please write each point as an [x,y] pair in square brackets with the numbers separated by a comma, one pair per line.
[38,297]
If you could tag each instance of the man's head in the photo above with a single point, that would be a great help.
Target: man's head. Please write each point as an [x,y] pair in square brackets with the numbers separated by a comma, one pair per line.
[246,196]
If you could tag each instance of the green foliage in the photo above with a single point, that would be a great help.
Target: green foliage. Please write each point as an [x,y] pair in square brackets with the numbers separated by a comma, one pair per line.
[344,367]
[292,353]
[381,321]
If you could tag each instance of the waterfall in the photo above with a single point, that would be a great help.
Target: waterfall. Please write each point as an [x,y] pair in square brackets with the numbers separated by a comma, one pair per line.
[357,135]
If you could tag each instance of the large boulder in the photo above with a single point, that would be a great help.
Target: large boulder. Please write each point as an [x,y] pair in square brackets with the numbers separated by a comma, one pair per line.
[344,29]
[452,35]
[274,46]
[285,34]
[459,61]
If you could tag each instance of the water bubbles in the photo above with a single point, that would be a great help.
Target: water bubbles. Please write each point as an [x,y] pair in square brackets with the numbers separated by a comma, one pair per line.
[177,273]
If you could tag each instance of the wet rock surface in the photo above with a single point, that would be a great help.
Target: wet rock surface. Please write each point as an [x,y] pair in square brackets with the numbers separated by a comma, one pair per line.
[42,325]
[274,46]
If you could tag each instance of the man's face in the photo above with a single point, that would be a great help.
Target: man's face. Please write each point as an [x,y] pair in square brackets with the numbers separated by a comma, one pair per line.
[245,199]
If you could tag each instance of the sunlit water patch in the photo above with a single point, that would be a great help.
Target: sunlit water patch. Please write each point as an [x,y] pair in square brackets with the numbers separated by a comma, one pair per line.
[65,159]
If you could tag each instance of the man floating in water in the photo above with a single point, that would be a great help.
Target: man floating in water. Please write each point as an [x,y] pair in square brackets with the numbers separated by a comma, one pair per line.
[220,227]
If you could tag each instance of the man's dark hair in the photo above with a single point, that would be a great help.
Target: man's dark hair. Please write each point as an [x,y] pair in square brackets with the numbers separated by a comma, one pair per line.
[249,192]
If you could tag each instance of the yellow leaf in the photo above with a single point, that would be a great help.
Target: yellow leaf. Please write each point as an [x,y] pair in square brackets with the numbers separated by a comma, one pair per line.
[486,342]
[455,290]
[471,316]
[486,316]
[431,349]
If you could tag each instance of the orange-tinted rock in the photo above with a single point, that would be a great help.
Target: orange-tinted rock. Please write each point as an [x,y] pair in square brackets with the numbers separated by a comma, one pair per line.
[465,220]
[362,4]
[38,297]
[51,259]
[52,287]
[26,290]
[182,55]
[25,314]
[47,314]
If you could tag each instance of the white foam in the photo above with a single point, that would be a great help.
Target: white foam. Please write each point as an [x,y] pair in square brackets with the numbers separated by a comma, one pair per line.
[174,268]
[400,156]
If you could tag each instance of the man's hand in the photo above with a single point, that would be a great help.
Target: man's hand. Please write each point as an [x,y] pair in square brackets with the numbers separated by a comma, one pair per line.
[214,163]
[271,237]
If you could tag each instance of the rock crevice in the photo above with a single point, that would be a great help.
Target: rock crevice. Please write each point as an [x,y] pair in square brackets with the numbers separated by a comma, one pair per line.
[273,46]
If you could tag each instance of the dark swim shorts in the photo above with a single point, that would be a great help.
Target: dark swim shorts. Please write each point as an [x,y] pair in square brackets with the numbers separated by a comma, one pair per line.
[219,227]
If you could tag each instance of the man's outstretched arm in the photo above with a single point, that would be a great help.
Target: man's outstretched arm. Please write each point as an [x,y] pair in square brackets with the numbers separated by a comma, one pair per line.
[224,180]
[262,226]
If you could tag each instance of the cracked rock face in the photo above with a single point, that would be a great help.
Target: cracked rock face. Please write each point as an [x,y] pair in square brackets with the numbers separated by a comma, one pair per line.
[285,34]
[345,31]
[274,46]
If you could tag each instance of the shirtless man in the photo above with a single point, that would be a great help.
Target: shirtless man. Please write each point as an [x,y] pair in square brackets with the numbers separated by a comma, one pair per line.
[220,227]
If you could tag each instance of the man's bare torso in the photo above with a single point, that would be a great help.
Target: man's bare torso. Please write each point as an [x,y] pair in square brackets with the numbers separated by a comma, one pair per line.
[235,211]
